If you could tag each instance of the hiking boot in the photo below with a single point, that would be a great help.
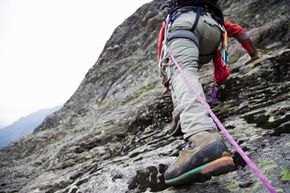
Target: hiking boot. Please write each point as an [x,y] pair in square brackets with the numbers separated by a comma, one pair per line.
[204,155]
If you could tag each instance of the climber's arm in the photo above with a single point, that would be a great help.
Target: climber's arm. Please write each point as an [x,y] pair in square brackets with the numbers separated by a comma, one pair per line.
[236,31]
[160,39]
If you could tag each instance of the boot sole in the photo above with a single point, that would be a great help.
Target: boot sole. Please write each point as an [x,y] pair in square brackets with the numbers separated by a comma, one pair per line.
[204,172]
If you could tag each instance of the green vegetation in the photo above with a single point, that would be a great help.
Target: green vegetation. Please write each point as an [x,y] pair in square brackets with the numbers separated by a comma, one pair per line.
[279,189]
[137,93]
[267,165]
[285,174]
[233,186]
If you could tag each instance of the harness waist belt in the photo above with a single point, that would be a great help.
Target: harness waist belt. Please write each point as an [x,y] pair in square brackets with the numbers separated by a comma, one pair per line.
[183,33]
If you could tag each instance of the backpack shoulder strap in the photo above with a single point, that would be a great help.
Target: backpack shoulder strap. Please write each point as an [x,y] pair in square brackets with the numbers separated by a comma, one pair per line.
[196,20]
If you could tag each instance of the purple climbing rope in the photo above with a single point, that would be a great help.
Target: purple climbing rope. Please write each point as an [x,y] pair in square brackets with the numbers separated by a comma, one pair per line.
[222,128]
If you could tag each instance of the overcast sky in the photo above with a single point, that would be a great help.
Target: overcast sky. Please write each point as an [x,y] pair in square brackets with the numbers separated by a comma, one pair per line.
[47,46]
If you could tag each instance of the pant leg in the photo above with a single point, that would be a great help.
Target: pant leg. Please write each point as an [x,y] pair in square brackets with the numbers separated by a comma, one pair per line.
[194,118]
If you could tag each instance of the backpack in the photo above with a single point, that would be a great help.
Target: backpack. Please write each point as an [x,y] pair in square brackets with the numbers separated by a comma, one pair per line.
[211,4]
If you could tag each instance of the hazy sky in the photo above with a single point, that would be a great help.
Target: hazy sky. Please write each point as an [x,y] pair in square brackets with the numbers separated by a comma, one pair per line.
[47,46]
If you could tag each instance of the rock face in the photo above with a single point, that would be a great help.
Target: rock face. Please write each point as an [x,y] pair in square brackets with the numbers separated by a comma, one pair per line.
[110,136]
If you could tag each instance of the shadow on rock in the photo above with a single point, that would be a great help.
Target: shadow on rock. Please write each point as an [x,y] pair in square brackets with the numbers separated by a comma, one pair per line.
[151,177]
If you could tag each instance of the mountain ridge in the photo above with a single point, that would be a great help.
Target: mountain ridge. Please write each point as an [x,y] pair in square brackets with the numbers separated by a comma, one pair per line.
[24,125]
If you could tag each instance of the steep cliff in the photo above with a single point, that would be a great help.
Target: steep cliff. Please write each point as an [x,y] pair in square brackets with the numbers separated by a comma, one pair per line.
[110,136]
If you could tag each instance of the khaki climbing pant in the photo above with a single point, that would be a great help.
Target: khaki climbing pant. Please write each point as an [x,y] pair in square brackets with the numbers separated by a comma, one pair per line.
[193,117]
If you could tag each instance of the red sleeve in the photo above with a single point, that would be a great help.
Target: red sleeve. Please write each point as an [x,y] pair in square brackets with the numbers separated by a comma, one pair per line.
[160,39]
[236,31]
[233,29]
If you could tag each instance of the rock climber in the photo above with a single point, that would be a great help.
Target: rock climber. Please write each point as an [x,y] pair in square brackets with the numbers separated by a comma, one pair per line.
[193,32]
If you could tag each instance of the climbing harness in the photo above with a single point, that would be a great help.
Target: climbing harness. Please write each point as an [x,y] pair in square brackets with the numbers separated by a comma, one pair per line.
[220,58]
[221,126]
[185,33]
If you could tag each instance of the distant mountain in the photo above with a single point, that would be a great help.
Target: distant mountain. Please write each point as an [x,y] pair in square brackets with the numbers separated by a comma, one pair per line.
[24,126]
[2,124]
